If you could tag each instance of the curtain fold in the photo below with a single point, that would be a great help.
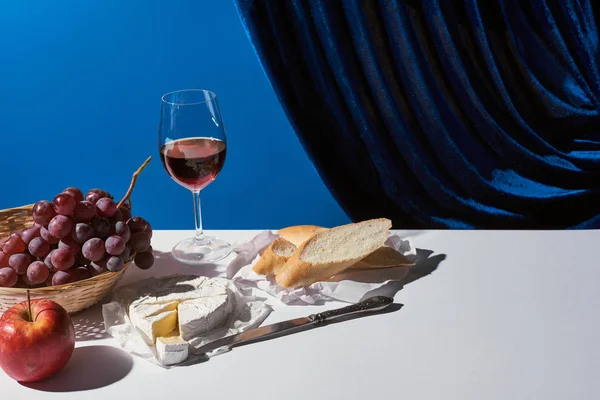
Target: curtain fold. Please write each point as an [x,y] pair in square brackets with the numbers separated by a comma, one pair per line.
[439,113]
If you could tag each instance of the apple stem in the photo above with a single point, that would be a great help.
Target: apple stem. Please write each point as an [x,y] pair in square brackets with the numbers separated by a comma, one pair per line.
[133,180]
[29,306]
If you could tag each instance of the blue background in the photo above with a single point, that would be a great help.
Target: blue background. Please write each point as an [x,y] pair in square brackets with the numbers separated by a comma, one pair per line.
[81,83]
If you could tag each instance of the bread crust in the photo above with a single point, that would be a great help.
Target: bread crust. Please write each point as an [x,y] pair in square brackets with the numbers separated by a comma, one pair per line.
[297,272]
[271,262]
[299,234]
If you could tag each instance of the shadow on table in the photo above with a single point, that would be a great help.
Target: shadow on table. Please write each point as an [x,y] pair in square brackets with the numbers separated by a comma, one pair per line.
[425,264]
[165,264]
[200,354]
[89,324]
[90,367]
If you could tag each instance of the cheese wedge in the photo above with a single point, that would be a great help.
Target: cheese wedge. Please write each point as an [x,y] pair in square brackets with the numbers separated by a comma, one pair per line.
[153,322]
[172,349]
[202,315]
[190,305]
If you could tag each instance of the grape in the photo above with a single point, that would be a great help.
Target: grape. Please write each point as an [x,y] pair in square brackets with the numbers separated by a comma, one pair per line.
[3,259]
[43,212]
[85,211]
[28,234]
[137,224]
[24,282]
[94,195]
[76,193]
[101,263]
[60,226]
[62,259]
[101,226]
[95,269]
[19,262]
[144,260]
[140,241]
[122,230]
[93,249]
[18,232]
[114,264]
[106,207]
[82,233]
[70,244]
[47,236]
[48,262]
[8,277]
[125,254]
[38,247]
[14,245]
[3,240]
[37,272]
[125,212]
[65,203]
[49,280]
[115,245]
[118,216]
[63,277]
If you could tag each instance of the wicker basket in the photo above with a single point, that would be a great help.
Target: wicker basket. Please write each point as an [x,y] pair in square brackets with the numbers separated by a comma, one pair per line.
[73,297]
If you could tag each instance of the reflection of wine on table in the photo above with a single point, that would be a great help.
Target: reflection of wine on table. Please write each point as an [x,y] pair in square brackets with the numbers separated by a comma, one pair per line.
[193,162]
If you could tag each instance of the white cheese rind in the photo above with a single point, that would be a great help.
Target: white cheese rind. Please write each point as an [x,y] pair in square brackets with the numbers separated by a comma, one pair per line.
[171,350]
[153,322]
[195,305]
[202,315]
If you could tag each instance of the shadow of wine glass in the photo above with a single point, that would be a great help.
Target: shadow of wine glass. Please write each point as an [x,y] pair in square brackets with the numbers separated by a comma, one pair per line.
[165,264]
[90,367]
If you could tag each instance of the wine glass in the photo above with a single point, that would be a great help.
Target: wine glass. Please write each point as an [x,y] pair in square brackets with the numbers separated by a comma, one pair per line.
[192,142]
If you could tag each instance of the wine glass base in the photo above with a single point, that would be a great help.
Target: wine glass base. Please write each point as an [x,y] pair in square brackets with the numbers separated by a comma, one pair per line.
[210,250]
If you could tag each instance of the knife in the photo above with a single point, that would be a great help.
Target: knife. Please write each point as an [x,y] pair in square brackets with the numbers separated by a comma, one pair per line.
[225,344]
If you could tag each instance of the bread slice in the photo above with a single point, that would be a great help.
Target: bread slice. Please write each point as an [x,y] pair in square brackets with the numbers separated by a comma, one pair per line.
[274,257]
[383,257]
[331,251]
[299,234]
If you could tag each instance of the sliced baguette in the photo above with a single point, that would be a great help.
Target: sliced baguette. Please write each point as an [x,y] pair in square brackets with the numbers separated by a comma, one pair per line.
[299,234]
[383,257]
[274,257]
[331,251]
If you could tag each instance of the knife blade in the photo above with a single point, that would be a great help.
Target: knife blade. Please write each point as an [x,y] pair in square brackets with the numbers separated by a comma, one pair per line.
[225,344]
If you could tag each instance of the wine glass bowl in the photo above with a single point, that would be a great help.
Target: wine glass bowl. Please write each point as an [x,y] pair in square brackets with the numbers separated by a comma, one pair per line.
[193,146]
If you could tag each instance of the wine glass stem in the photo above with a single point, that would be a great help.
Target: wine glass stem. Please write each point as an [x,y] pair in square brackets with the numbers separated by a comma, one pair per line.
[199,238]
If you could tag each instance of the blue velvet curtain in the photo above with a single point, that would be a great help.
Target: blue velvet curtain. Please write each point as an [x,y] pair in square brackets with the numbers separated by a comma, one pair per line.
[439,113]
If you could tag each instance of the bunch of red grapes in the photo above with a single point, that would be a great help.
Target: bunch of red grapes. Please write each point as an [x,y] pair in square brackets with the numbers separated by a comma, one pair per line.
[72,239]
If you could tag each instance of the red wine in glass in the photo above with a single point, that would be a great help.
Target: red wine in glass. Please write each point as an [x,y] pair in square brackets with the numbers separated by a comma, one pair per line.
[194,162]
[192,146]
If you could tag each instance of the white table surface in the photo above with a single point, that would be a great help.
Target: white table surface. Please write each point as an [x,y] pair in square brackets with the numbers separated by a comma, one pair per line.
[507,315]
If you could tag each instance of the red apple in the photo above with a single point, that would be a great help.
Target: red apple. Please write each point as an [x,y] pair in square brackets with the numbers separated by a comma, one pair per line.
[33,349]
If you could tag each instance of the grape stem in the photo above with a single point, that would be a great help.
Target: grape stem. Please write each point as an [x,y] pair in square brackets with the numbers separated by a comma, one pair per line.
[133,180]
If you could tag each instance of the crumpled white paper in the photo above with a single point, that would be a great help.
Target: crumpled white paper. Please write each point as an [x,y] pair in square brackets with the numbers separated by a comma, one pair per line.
[350,286]
[250,312]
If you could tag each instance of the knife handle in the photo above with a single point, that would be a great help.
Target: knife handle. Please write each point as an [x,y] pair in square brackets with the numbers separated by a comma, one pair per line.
[376,303]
